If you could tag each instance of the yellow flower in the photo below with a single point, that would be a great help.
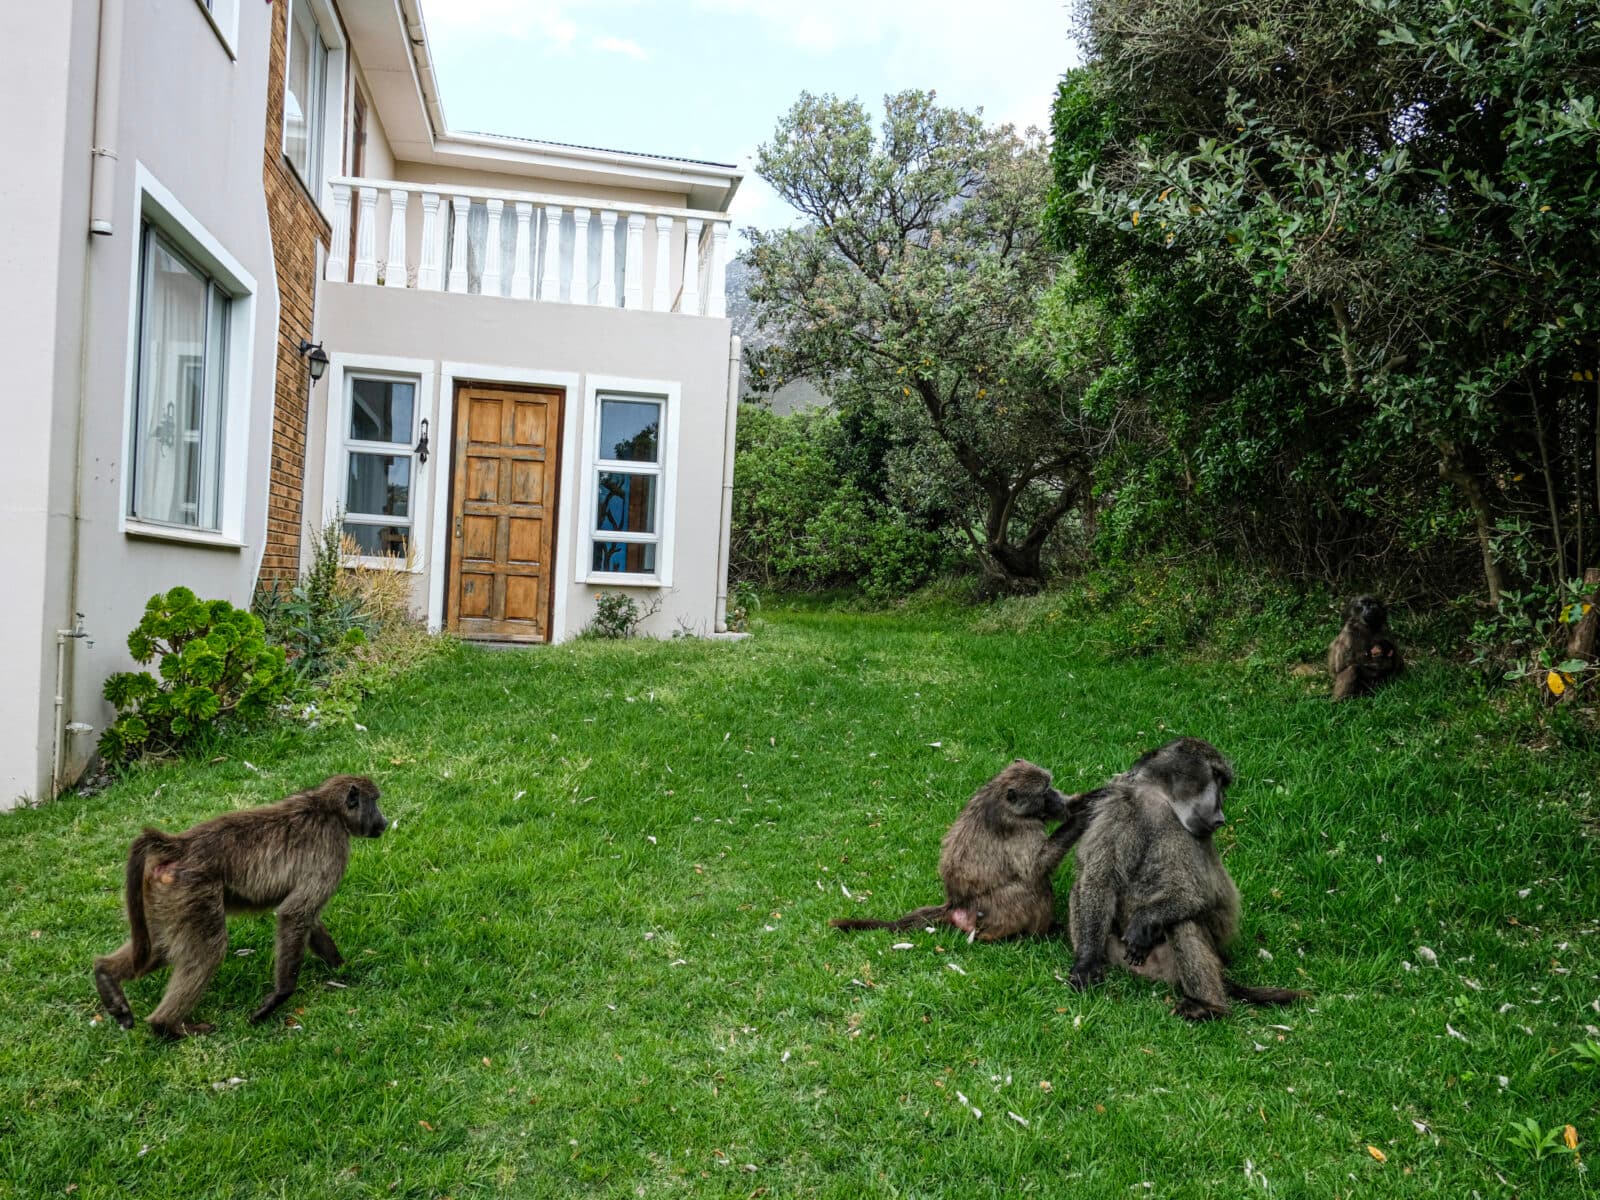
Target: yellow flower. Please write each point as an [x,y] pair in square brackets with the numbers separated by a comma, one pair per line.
[1546,208]
[1556,682]
[905,391]
[982,392]
[1135,216]
[1165,192]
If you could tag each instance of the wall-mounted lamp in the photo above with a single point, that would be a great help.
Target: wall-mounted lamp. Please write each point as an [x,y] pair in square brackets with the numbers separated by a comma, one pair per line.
[317,359]
[422,446]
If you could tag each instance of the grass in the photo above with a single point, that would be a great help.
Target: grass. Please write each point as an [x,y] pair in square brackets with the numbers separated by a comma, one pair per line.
[591,956]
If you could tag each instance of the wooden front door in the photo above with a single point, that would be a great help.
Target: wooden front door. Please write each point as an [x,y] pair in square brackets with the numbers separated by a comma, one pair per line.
[503,512]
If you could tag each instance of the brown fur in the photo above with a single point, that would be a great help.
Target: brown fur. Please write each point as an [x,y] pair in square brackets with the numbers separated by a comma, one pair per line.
[287,856]
[1151,894]
[1361,659]
[996,860]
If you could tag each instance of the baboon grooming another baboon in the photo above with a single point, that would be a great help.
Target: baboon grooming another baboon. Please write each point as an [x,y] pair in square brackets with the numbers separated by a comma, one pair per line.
[287,856]
[1361,659]
[996,861]
[1151,894]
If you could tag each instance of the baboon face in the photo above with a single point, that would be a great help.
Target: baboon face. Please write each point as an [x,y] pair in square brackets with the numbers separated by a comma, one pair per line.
[1368,611]
[1029,794]
[1195,778]
[358,801]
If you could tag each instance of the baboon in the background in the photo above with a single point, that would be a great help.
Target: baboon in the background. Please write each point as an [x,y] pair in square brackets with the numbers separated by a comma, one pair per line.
[1151,894]
[997,860]
[1361,659]
[287,856]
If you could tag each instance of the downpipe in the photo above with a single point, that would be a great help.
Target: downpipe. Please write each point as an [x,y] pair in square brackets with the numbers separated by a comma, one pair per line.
[107,101]
[730,421]
[63,636]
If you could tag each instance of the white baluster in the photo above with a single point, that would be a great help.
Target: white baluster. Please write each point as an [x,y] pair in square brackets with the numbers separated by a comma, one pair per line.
[580,256]
[428,268]
[717,288]
[367,238]
[690,300]
[550,280]
[339,254]
[661,301]
[458,244]
[608,259]
[633,265]
[394,271]
[491,252]
[522,276]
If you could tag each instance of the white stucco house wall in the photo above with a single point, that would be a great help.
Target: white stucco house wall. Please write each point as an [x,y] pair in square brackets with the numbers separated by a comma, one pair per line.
[531,380]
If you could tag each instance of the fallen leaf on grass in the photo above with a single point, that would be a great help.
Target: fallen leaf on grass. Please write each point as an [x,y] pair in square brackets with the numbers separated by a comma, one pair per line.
[1570,1136]
[1023,1121]
[1377,1154]
[1453,1032]
[955,967]
[223,1085]
[426,1126]
[903,946]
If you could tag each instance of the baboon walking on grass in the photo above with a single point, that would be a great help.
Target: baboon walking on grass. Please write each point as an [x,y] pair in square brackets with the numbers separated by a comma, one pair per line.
[287,856]
[996,861]
[1362,659]
[1151,894]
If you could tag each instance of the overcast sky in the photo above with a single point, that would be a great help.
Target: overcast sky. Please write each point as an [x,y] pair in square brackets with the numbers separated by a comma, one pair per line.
[709,79]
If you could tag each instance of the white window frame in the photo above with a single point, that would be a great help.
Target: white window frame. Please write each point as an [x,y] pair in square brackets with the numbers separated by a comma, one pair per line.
[337,445]
[223,16]
[336,61]
[669,395]
[157,207]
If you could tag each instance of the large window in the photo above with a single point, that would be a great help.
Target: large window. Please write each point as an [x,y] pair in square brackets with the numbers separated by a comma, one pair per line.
[627,478]
[178,412]
[305,96]
[379,464]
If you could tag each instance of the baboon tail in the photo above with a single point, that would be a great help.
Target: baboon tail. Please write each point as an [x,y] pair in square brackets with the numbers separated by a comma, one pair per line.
[139,929]
[1263,995]
[933,914]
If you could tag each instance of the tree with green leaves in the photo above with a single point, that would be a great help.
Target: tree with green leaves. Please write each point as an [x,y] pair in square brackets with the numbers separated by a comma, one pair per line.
[913,290]
[1394,208]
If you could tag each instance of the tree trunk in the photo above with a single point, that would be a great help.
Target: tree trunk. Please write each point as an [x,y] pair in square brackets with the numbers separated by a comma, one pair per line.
[1581,641]
[1453,469]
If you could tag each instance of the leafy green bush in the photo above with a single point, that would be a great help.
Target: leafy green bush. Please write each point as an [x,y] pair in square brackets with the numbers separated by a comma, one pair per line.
[214,662]
[318,620]
[806,515]
[617,615]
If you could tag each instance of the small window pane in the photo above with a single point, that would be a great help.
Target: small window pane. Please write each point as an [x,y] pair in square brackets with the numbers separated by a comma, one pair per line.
[379,541]
[302,95]
[379,485]
[632,558]
[178,423]
[630,430]
[626,503]
[381,409]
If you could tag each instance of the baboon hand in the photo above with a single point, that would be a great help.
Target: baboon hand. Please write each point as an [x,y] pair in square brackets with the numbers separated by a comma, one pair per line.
[1084,976]
[1140,938]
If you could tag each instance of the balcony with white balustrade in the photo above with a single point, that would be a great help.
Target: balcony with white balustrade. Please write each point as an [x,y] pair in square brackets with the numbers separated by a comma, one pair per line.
[528,246]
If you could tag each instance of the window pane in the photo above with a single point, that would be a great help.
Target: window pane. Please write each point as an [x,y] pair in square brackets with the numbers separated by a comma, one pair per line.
[633,558]
[379,485]
[379,541]
[630,430]
[380,410]
[302,95]
[178,419]
[626,503]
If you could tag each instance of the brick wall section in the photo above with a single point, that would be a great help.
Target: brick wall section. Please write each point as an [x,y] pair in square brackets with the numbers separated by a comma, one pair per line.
[297,228]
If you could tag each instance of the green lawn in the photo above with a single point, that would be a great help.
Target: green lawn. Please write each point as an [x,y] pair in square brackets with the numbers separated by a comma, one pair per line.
[591,954]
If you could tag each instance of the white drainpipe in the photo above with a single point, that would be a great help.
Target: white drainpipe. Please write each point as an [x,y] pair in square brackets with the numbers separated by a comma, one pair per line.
[730,423]
[107,96]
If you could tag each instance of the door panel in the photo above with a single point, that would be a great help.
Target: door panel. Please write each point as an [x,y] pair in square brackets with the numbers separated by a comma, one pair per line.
[503,506]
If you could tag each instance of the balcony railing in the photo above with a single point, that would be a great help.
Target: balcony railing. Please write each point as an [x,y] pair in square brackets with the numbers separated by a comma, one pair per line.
[529,246]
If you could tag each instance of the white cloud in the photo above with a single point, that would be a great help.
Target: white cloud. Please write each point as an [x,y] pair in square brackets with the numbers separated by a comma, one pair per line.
[539,20]
[623,46]
[1004,54]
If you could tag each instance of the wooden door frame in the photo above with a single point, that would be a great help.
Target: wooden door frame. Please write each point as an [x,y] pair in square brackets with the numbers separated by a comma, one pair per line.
[448,617]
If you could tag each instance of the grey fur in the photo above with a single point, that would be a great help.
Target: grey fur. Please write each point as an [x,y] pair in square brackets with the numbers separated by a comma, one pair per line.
[997,860]
[1151,894]
[287,856]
